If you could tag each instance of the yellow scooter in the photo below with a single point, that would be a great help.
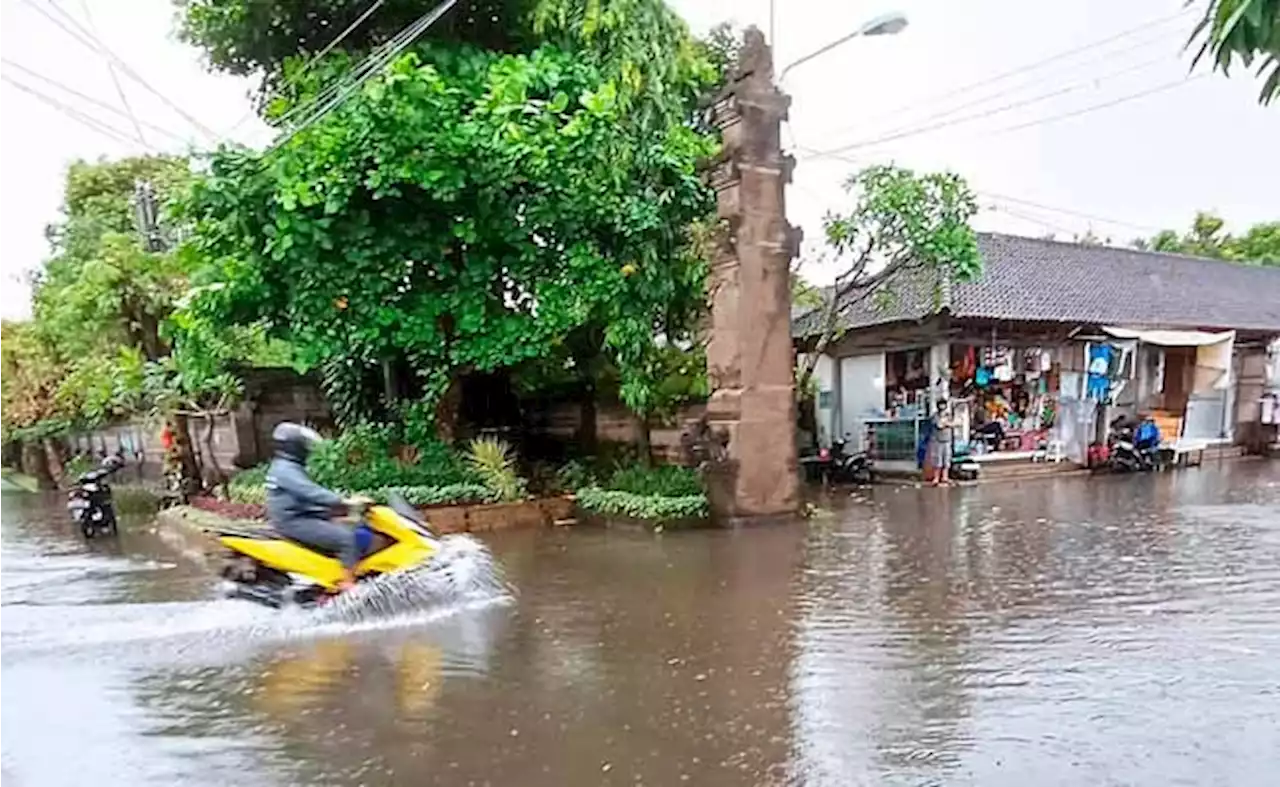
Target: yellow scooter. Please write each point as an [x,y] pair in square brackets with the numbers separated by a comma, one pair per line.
[266,567]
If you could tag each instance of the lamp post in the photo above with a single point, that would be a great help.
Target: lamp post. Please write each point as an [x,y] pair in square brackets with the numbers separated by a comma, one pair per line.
[884,25]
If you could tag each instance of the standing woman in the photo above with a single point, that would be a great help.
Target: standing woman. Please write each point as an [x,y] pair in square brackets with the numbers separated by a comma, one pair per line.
[940,444]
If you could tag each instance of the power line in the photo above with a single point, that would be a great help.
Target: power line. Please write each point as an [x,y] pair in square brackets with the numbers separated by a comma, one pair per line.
[88,39]
[372,63]
[88,121]
[115,78]
[985,98]
[95,102]
[374,6]
[1032,219]
[412,32]
[911,132]
[1029,203]
[1041,63]
[1104,105]
[1067,212]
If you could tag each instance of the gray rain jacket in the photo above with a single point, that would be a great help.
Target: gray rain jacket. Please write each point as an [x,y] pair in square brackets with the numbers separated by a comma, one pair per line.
[293,496]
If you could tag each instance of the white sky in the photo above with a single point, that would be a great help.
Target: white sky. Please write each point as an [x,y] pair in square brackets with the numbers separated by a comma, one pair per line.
[1143,164]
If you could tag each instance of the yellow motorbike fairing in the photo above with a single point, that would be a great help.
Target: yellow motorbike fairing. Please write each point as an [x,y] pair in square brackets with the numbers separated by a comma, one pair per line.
[406,548]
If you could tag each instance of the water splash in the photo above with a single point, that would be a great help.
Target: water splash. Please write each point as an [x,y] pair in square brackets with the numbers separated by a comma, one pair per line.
[461,573]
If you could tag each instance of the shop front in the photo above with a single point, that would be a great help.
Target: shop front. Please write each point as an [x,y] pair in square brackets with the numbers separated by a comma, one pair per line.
[1007,397]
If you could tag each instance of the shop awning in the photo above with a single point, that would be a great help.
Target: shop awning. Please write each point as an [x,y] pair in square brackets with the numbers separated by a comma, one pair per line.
[1171,338]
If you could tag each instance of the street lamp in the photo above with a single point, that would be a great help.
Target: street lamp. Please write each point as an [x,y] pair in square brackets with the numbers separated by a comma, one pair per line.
[884,25]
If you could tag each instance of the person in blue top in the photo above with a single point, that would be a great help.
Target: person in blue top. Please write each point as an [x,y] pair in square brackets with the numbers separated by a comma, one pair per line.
[1147,436]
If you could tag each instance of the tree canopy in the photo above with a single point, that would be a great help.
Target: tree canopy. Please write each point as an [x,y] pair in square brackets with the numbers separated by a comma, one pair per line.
[99,343]
[267,38]
[1259,245]
[1243,30]
[900,222]
[471,210]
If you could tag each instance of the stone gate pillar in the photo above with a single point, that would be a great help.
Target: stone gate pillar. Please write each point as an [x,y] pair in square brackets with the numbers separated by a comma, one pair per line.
[749,355]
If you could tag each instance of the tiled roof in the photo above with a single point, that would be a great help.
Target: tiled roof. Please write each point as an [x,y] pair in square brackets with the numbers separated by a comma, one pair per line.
[1034,280]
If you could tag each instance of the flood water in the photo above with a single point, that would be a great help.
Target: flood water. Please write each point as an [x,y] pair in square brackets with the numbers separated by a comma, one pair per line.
[1067,631]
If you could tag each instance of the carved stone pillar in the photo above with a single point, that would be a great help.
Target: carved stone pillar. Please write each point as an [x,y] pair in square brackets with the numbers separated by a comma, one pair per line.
[749,356]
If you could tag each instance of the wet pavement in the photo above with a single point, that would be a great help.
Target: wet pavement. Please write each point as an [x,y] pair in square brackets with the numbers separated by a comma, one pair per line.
[1067,631]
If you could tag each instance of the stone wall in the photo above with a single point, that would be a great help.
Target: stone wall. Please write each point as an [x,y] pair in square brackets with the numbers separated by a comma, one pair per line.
[240,439]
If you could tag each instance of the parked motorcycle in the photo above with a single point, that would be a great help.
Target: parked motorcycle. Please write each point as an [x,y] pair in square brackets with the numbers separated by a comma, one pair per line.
[837,465]
[964,468]
[90,502]
[1130,451]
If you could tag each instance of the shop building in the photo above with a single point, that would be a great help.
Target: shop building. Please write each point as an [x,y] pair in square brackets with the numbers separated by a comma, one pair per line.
[1050,344]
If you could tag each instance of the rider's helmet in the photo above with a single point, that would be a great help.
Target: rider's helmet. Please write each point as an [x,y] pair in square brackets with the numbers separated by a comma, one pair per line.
[294,440]
[113,463]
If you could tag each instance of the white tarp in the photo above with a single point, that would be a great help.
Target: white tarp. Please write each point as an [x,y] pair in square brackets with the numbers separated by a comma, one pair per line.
[1213,367]
[1172,338]
[1272,368]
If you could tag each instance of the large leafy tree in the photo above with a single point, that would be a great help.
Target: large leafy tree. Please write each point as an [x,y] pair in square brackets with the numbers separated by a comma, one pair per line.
[1244,30]
[900,223]
[271,39]
[100,288]
[1259,245]
[470,210]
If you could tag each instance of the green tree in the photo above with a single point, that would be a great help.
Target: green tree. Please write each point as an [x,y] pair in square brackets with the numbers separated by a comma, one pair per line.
[100,289]
[470,211]
[1260,245]
[1244,30]
[273,39]
[899,223]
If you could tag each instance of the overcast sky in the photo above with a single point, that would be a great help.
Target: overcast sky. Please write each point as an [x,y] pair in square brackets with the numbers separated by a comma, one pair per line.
[1140,164]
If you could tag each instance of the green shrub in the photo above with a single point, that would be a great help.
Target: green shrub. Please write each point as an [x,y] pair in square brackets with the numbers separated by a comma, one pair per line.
[491,461]
[655,508]
[574,475]
[249,486]
[452,494]
[662,480]
[371,456]
[77,466]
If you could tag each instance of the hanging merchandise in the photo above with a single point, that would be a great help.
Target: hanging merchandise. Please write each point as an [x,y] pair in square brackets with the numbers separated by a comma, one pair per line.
[1100,356]
[1031,361]
[982,377]
[1004,372]
[969,365]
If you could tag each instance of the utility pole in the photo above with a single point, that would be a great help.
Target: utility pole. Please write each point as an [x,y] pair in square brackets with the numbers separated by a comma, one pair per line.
[145,212]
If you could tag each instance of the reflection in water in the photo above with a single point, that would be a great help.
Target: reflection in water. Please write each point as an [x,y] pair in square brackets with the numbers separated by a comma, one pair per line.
[1071,631]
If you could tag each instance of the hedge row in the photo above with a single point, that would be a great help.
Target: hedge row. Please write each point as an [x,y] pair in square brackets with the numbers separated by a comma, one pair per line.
[656,508]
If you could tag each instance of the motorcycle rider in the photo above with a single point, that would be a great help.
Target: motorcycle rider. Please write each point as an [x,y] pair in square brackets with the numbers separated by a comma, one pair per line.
[299,508]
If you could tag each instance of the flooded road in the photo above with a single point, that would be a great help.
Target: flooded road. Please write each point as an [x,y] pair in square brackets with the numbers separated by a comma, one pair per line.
[1068,631]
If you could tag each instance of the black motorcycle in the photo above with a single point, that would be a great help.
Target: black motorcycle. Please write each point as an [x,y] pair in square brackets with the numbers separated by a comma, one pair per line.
[1124,455]
[836,465]
[90,503]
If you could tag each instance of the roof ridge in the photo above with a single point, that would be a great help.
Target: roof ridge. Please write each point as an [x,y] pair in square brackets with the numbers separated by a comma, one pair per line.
[1247,264]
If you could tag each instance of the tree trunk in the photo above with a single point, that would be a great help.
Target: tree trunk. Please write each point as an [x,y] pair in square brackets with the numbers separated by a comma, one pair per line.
[56,453]
[644,442]
[35,463]
[806,418]
[447,410]
[184,447]
[215,478]
[588,424]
